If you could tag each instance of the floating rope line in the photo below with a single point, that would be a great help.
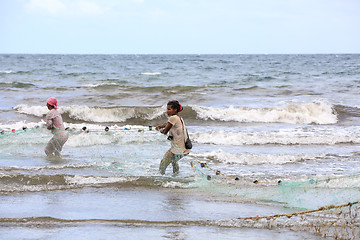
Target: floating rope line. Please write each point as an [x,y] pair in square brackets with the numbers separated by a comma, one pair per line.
[332,223]
[270,217]
[83,129]
[14,132]
[219,173]
[345,225]
[289,215]
[109,130]
[279,182]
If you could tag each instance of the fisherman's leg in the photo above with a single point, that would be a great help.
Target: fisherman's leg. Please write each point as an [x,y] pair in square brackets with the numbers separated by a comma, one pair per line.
[175,163]
[165,161]
[60,140]
[50,147]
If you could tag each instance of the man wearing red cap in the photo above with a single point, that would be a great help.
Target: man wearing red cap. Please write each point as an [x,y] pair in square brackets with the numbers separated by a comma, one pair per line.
[55,123]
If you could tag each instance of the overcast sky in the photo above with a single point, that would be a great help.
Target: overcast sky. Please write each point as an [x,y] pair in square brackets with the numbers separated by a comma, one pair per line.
[179,26]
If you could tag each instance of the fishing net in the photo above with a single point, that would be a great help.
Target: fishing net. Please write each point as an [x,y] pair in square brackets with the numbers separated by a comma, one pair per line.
[327,205]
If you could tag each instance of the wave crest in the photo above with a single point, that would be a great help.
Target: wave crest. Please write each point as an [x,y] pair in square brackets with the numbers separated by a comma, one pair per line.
[96,114]
[318,113]
[307,113]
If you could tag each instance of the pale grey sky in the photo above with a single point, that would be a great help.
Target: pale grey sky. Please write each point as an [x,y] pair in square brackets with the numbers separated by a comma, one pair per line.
[179,26]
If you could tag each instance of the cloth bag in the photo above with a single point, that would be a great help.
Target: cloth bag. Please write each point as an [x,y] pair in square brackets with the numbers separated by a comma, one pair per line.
[188,143]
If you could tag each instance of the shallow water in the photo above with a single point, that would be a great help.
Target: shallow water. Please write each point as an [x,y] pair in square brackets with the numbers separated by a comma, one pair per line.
[130,213]
[278,134]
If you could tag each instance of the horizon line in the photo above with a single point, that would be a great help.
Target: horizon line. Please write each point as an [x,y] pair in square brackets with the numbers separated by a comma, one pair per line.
[179,53]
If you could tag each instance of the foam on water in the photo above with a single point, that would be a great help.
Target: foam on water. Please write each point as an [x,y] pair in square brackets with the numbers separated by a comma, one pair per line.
[96,114]
[7,71]
[267,118]
[38,111]
[289,136]
[92,139]
[91,180]
[256,159]
[151,73]
[96,135]
[21,125]
[307,113]
[54,167]
[101,84]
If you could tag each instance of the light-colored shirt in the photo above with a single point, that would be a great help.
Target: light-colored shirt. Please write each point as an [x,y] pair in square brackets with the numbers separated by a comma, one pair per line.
[177,131]
[54,120]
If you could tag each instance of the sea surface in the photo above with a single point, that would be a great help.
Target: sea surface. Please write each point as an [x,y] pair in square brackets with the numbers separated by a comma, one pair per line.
[272,135]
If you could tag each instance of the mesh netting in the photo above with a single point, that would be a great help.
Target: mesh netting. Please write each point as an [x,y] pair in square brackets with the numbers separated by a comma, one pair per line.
[328,206]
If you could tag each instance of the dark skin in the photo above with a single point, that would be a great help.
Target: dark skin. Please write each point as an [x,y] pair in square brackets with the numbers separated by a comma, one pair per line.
[165,127]
[49,106]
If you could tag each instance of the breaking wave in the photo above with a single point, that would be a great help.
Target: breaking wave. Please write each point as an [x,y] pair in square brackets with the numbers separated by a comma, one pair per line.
[39,183]
[307,113]
[96,114]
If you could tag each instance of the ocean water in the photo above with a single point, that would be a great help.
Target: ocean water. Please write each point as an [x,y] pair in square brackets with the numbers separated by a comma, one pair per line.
[272,135]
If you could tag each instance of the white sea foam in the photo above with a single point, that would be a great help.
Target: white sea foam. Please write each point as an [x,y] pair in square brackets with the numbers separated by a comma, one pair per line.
[20,125]
[325,135]
[318,113]
[38,111]
[337,182]
[100,84]
[256,159]
[96,135]
[73,126]
[113,138]
[90,180]
[95,114]
[173,184]
[7,71]
[151,73]
[81,140]
[55,167]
